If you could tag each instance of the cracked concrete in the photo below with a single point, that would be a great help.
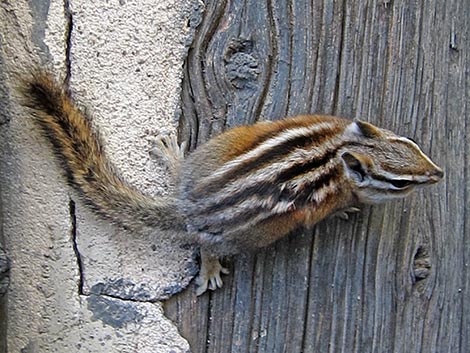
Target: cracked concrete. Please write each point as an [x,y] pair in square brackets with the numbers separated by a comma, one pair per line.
[79,283]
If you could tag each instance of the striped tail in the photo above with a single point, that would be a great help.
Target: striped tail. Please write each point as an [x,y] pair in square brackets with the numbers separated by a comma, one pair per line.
[80,152]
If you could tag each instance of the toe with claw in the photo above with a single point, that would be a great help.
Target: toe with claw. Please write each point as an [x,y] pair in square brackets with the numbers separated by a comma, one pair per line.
[344,212]
[210,274]
[166,148]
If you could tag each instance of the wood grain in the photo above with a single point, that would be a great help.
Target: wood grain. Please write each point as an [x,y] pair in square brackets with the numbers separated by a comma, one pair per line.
[395,278]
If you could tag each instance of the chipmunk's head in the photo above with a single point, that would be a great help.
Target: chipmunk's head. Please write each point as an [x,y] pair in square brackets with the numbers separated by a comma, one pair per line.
[382,166]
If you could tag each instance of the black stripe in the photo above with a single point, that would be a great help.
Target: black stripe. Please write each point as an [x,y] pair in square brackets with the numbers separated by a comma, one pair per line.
[387,191]
[275,153]
[301,200]
[216,227]
[304,197]
[260,190]
[304,167]
[272,188]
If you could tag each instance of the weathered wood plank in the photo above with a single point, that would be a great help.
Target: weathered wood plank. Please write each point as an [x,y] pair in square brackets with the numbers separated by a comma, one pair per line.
[393,279]
[4,283]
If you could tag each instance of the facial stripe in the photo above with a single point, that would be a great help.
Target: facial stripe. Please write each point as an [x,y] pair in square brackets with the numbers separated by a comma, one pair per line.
[379,191]
[388,178]
[416,148]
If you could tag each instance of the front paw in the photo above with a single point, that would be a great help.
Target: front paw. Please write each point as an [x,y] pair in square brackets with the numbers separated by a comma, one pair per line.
[166,148]
[344,212]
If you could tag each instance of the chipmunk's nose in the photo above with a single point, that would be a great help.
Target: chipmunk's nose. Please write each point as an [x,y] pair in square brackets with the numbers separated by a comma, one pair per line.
[436,175]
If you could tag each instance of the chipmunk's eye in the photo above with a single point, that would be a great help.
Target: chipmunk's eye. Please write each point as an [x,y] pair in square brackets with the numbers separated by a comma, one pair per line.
[359,170]
[400,183]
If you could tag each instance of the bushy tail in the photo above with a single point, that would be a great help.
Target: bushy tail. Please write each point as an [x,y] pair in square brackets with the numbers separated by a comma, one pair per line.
[79,150]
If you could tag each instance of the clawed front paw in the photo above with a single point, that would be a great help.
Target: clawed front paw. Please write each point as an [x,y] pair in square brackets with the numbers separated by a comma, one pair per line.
[166,148]
[344,213]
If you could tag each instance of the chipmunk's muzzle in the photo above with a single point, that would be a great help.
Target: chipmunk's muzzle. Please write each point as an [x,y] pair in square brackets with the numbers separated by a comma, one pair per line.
[436,175]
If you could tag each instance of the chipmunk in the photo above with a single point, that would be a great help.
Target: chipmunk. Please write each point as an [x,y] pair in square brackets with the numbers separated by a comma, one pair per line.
[243,189]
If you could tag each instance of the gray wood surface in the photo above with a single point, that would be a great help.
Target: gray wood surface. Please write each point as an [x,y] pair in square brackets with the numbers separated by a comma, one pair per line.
[394,278]
[4,283]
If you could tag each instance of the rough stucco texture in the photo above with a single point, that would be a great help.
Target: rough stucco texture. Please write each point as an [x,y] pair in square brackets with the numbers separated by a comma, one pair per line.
[77,282]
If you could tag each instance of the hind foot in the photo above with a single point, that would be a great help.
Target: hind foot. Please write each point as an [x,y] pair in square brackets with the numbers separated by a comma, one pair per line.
[210,273]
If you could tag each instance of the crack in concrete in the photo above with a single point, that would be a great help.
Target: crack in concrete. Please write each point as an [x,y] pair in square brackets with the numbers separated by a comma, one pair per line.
[151,301]
[68,41]
[78,256]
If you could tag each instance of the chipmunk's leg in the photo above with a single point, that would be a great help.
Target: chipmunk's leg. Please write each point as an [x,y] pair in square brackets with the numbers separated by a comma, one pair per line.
[166,148]
[344,212]
[210,273]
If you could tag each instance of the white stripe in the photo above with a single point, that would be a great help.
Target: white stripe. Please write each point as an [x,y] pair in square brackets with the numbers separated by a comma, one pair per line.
[271,172]
[407,140]
[277,207]
[312,175]
[265,146]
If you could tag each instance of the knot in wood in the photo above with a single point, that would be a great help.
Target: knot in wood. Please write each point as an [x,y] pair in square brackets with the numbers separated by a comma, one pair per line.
[241,67]
[421,264]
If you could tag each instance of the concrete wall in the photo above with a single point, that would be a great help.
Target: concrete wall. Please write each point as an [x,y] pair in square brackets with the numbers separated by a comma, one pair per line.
[77,283]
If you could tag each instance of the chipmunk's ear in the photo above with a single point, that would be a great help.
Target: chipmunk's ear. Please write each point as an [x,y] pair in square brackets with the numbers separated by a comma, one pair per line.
[362,129]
